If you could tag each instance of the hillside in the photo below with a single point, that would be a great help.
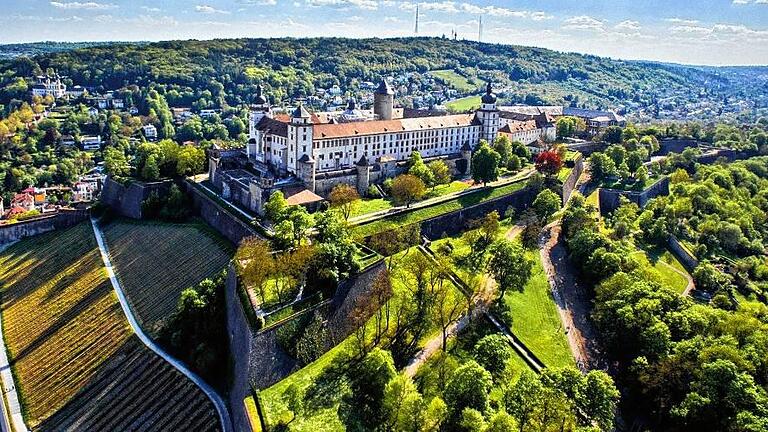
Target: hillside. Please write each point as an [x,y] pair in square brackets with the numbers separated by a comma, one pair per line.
[76,362]
[227,71]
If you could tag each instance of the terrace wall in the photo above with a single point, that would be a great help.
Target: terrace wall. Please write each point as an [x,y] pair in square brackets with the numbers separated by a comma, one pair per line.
[667,146]
[455,222]
[265,362]
[64,218]
[682,254]
[570,182]
[126,199]
[221,219]
[610,198]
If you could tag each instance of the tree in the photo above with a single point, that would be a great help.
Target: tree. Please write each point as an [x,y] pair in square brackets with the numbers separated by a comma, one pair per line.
[549,163]
[344,197]
[115,162]
[601,166]
[276,206]
[546,204]
[612,135]
[493,352]
[468,388]
[402,404]
[503,146]
[150,171]
[708,278]
[255,264]
[447,308]
[617,153]
[368,381]
[522,399]
[509,266]
[485,164]
[472,420]
[598,398]
[407,188]
[501,422]
[420,170]
[190,161]
[634,160]
[440,172]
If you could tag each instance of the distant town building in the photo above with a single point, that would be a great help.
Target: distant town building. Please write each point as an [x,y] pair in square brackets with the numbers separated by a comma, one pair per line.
[207,113]
[150,132]
[49,85]
[90,143]
[76,92]
[67,141]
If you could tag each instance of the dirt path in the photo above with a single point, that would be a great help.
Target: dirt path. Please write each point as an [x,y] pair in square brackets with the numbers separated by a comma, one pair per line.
[572,300]
[436,344]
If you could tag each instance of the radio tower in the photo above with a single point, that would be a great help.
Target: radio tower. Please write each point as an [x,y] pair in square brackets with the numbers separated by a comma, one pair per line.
[480,30]
[416,31]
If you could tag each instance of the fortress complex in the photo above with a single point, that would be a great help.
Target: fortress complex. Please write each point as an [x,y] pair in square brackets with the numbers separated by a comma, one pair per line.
[307,154]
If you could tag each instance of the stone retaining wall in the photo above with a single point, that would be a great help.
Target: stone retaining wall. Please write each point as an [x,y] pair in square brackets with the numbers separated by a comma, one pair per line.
[221,219]
[126,199]
[610,198]
[267,363]
[455,222]
[64,218]
[682,254]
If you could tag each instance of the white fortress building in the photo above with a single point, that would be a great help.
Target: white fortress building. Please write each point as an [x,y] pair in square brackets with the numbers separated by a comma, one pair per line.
[318,151]
[49,85]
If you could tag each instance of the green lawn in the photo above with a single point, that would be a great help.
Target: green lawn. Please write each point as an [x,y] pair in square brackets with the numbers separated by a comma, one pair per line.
[661,262]
[464,104]
[535,319]
[366,206]
[455,80]
[425,213]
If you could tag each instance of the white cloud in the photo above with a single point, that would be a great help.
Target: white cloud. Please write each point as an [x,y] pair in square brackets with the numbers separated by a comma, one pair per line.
[258,2]
[584,22]
[81,5]
[361,4]
[150,9]
[209,10]
[746,2]
[628,25]
[683,21]
[540,16]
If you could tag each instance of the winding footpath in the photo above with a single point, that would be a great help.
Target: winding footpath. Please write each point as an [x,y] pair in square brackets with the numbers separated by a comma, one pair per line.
[218,402]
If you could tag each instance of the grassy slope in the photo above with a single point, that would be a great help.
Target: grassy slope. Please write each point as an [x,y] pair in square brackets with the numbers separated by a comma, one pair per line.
[156,262]
[366,206]
[464,104]
[535,319]
[436,210]
[660,261]
[75,360]
[455,80]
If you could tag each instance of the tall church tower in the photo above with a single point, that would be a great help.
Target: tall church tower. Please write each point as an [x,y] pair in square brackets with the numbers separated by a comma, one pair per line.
[299,137]
[384,101]
[259,109]
[488,114]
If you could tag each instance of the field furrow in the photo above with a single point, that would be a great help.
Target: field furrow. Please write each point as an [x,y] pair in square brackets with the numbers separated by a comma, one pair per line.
[78,365]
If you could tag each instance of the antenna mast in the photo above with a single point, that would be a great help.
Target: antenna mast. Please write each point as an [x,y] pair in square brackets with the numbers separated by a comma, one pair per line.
[416,31]
[480,30]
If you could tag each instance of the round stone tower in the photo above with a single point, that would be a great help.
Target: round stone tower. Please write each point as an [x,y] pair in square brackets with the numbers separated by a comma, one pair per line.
[384,101]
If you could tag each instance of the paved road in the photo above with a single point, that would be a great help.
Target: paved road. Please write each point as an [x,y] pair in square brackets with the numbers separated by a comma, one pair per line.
[218,402]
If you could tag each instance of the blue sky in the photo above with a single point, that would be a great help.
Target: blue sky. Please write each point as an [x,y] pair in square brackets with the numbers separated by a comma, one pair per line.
[685,31]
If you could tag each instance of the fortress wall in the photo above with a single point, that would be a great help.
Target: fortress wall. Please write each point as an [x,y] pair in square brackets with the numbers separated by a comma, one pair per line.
[64,218]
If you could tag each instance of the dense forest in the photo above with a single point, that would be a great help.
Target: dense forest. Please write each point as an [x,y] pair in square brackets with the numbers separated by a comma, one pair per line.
[226,72]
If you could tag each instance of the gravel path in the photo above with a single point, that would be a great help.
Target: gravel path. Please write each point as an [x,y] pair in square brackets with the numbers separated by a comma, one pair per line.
[572,300]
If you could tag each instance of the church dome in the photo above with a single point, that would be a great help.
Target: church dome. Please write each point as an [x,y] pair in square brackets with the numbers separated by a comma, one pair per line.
[489,97]
[260,99]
